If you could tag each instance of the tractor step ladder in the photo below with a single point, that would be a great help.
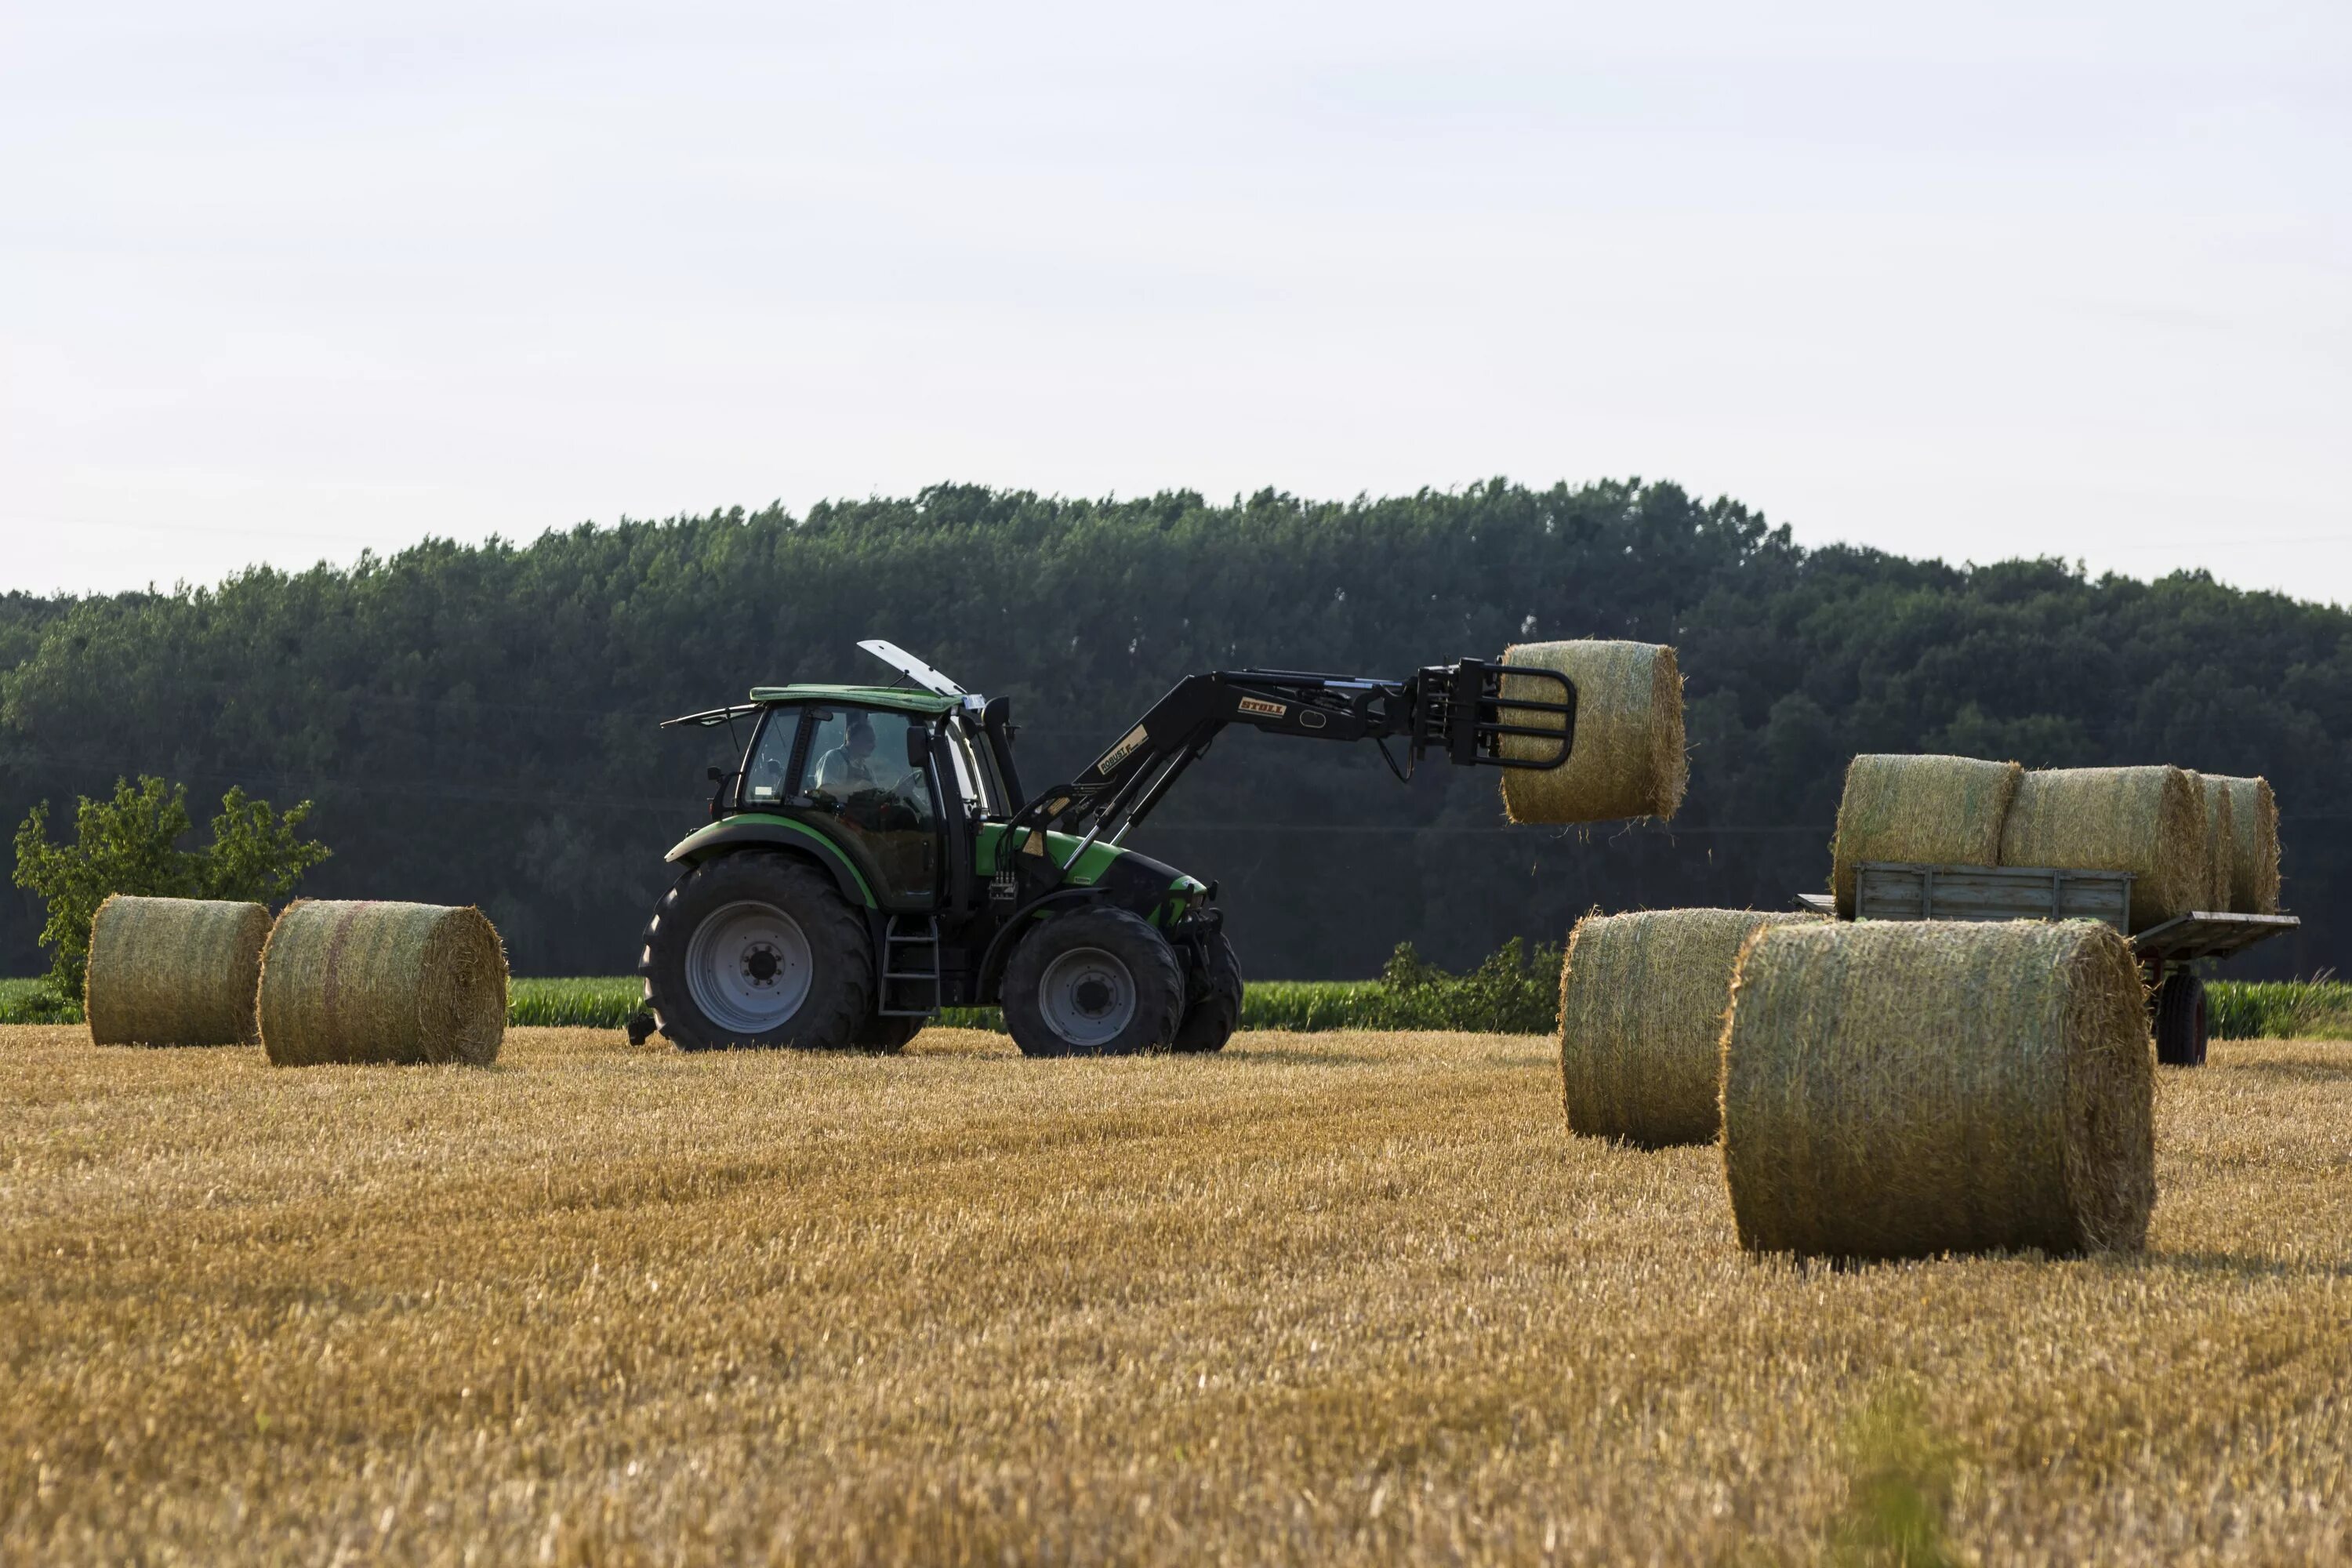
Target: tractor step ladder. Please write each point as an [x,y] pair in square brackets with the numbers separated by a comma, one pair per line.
[900,945]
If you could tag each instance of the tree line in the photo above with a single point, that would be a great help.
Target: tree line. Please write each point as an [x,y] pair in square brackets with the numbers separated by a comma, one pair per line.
[477,723]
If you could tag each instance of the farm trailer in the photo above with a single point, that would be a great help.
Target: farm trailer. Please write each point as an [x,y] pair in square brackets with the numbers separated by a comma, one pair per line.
[1892,890]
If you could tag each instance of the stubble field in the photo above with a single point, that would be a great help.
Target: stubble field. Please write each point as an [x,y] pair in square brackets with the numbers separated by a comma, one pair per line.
[1329,1297]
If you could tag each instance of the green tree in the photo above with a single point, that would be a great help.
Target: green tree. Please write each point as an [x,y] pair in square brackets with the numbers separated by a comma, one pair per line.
[130,843]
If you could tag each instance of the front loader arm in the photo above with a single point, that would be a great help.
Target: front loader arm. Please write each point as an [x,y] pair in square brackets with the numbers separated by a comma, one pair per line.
[1454,709]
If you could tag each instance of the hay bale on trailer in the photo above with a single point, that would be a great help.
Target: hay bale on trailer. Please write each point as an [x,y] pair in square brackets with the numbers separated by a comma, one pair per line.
[2254,845]
[2149,821]
[1903,1088]
[1923,810]
[382,983]
[1642,999]
[173,972]
[1627,758]
[2220,841]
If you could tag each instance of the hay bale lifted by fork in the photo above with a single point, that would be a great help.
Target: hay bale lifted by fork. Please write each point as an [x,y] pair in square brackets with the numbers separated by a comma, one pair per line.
[1642,999]
[173,972]
[1921,810]
[2149,821]
[1627,758]
[382,983]
[1905,1088]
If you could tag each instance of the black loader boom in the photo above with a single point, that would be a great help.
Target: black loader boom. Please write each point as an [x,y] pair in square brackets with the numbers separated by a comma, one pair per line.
[873,857]
[1455,709]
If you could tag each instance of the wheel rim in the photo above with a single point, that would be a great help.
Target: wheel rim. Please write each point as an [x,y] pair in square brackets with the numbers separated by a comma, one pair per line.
[749,968]
[1086,996]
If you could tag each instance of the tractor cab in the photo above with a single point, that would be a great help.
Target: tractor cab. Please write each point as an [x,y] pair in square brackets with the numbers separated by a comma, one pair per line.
[864,763]
[894,779]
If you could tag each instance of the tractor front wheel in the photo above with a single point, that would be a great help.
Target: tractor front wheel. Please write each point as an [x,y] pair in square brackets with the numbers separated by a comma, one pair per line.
[1093,983]
[758,950]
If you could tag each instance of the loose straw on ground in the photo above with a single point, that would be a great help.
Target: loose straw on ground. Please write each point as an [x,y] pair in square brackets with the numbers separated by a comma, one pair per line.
[173,972]
[1627,757]
[2149,821]
[1920,810]
[1642,999]
[1904,1088]
[382,983]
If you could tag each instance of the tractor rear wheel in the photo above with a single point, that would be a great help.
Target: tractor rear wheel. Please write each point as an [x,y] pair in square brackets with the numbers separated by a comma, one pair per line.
[1213,999]
[758,950]
[1093,983]
[2180,1020]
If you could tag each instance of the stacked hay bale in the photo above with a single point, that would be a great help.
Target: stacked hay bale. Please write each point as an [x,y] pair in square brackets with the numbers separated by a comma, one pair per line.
[173,972]
[2254,845]
[1627,757]
[1904,1088]
[1642,999]
[2221,841]
[2149,821]
[382,983]
[1923,810]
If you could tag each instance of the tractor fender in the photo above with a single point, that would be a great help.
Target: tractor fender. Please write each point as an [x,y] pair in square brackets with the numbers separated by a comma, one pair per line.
[999,946]
[738,834]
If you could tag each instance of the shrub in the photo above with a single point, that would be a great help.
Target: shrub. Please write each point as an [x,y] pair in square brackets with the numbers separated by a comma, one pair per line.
[130,843]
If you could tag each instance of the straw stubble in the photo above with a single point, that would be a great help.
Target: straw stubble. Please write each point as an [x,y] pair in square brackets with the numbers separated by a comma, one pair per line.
[173,972]
[1906,1088]
[1626,758]
[373,982]
[1642,999]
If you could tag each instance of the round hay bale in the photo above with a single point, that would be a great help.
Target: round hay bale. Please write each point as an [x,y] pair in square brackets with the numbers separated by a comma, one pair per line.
[2149,821]
[173,972]
[1903,1089]
[2253,845]
[1627,757]
[2220,841]
[1641,998]
[1921,810]
[382,983]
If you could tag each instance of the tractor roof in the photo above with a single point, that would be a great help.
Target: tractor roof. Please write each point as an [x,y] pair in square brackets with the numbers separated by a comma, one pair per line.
[904,699]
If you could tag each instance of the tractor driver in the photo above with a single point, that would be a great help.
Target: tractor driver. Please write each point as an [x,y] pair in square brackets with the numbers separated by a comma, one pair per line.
[848,767]
[850,771]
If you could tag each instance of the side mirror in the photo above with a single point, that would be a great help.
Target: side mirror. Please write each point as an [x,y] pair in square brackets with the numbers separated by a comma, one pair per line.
[918,746]
[714,774]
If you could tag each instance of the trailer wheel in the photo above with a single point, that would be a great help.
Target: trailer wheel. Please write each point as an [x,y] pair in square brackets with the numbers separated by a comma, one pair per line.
[758,950]
[2181,1021]
[1093,983]
[1213,999]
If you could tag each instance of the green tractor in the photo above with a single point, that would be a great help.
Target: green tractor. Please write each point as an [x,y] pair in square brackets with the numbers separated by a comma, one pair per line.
[872,857]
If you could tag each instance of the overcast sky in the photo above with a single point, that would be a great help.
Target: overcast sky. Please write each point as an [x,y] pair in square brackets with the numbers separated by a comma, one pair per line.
[279,281]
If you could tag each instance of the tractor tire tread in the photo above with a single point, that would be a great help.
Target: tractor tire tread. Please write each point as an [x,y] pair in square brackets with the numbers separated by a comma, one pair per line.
[1212,1000]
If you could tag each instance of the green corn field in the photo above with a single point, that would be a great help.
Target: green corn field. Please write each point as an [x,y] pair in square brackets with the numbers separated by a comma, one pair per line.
[2236,1009]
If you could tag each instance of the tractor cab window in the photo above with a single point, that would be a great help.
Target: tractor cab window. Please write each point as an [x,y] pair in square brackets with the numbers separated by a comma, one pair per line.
[853,766]
[767,772]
